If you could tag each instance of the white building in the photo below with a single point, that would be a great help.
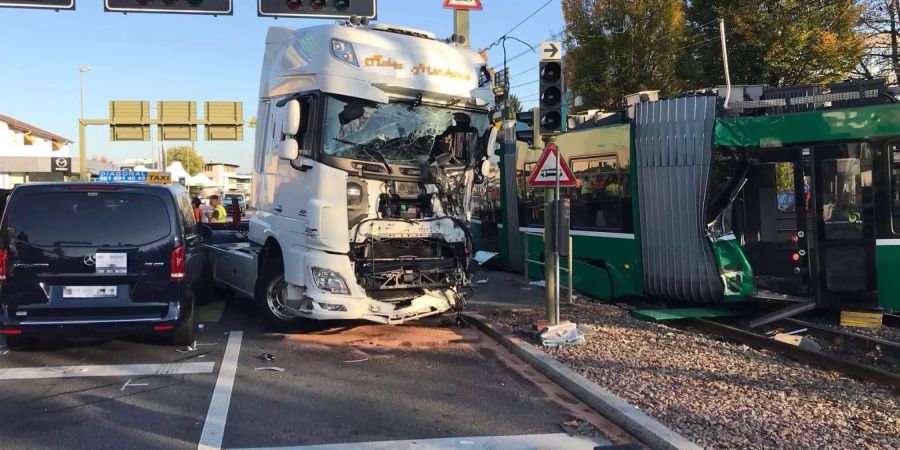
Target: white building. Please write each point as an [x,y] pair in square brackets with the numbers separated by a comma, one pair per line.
[29,154]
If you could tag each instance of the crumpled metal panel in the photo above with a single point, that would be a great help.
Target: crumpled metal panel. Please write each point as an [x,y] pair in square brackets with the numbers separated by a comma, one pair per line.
[673,145]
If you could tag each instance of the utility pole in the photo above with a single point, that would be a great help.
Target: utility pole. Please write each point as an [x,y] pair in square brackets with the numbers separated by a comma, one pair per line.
[82,146]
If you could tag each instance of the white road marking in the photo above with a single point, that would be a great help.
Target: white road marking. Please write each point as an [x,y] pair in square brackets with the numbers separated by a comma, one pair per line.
[120,370]
[214,427]
[553,441]
[130,384]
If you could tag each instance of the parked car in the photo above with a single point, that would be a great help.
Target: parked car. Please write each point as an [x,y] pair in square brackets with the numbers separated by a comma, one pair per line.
[227,202]
[98,259]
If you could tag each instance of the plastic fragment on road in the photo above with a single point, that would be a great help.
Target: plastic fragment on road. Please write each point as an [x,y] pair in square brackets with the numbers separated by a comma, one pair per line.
[357,360]
[482,256]
[271,368]
[267,357]
[540,283]
[189,348]
[562,334]
[484,281]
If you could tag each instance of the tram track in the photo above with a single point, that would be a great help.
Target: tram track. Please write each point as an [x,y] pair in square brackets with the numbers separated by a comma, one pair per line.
[834,354]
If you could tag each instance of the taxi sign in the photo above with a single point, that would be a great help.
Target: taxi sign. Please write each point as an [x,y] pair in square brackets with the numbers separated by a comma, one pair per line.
[159,178]
[545,173]
[112,176]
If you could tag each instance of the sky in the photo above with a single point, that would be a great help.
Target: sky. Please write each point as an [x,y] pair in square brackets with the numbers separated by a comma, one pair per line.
[202,58]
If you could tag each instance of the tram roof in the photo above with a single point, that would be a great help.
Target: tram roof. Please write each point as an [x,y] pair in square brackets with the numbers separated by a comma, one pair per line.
[854,123]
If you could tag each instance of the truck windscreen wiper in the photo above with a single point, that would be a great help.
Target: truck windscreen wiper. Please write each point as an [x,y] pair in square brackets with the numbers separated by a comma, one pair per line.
[371,151]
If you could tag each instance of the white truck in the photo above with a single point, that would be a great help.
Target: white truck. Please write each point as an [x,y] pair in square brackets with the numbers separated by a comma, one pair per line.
[369,141]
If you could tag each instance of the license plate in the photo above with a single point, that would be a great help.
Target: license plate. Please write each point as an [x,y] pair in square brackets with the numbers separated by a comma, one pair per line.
[111,263]
[90,291]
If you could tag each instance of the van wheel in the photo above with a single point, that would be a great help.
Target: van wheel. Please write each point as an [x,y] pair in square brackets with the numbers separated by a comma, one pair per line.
[21,343]
[271,298]
[185,332]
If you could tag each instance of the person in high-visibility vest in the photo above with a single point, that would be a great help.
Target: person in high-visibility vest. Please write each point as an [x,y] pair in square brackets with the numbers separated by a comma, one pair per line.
[218,214]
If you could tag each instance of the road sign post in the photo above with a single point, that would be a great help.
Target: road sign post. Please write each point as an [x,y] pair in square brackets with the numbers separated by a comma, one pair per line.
[552,171]
[461,10]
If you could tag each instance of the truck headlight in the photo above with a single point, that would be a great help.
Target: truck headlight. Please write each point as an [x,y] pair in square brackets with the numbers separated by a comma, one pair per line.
[354,194]
[343,51]
[329,281]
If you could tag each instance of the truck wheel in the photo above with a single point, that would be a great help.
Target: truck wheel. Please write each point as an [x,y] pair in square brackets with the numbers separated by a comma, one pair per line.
[185,332]
[270,298]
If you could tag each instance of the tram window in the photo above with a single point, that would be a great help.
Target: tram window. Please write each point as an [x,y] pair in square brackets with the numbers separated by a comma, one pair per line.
[531,213]
[895,185]
[841,198]
[784,184]
[597,198]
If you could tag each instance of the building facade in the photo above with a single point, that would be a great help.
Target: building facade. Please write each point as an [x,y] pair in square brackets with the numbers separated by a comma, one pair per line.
[31,154]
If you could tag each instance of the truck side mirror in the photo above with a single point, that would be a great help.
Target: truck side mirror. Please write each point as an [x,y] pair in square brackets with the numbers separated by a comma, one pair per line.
[288,149]
[290,118]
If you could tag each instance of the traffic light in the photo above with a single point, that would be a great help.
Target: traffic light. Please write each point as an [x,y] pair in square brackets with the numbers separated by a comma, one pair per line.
[550,97]
[532,131]
[317,9]
[42,4]
[214,7]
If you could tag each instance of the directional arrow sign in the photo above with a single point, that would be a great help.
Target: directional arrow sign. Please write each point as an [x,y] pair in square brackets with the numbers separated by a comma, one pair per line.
[474,5]
[551,50]
[545,172]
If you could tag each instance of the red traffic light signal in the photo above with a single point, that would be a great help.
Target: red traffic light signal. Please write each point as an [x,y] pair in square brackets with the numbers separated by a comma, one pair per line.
[213,7]
[38,4]
[317,9]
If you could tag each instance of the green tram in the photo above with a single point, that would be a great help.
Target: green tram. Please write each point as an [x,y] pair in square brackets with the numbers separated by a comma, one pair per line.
[680,201]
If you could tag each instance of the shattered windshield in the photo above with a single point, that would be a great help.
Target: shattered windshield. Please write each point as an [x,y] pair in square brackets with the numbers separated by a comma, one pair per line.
[396,133]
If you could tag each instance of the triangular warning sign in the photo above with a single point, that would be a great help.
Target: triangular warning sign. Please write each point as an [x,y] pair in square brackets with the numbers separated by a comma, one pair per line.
[474,5]
[544,173]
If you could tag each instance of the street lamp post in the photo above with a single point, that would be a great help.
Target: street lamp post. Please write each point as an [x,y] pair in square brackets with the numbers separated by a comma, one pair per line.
[82,148]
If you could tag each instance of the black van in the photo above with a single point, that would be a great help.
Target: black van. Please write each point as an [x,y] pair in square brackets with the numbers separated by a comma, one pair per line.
[86,259]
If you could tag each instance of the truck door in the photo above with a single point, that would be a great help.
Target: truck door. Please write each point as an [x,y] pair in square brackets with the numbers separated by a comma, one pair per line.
[846,229]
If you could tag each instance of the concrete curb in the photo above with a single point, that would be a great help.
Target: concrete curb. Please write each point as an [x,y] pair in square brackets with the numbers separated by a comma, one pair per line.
[650,431]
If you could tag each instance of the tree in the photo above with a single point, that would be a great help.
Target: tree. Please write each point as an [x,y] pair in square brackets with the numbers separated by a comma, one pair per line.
[774,42]
[513,105]
[880,26]
[619,47]
[191,161]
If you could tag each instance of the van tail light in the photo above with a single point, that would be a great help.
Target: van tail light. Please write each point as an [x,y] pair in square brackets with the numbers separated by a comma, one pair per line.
[11,331]
[2,265]
[177,264]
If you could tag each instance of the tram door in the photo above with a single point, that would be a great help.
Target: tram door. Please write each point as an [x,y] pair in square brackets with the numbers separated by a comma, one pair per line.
[845,260]
[777,205]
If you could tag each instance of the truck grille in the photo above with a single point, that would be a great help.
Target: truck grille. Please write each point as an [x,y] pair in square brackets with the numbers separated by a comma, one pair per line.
[403,248]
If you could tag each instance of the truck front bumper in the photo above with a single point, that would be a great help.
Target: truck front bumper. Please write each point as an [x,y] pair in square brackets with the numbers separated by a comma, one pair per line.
[334,307]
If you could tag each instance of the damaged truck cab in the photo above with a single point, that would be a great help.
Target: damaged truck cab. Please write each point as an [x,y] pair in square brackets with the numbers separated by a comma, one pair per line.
[369,142]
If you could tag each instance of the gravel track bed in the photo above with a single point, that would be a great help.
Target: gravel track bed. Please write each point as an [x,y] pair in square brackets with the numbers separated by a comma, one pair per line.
[884,332]
[719,394]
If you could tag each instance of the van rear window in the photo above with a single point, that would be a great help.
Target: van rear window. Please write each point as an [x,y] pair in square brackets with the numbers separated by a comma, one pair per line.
[94,219]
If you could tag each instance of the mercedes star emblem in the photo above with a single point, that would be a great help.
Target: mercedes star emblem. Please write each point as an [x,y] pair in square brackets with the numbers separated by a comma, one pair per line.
[89,260]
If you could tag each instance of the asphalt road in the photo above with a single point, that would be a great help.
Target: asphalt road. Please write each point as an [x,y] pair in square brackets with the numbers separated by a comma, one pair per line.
[348,383]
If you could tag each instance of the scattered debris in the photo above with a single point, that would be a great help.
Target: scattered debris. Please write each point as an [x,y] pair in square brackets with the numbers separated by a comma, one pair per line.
[189,348]
[484,281]
[201,326]
[130,384]
[358,360]
[799,341]
[267,357]
[272,368]
[563,334]
[482,256]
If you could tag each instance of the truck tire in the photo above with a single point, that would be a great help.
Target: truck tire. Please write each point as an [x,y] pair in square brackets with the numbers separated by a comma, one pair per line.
[271,290]
[185,332]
